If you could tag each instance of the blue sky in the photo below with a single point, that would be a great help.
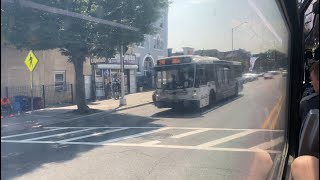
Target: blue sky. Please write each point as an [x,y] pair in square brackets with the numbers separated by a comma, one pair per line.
[207,24]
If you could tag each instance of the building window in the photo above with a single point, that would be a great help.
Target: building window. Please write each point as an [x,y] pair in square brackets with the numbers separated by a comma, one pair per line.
[139,65]
[158,43]
[98,73]
[60,81]
[148,66]
[161,21]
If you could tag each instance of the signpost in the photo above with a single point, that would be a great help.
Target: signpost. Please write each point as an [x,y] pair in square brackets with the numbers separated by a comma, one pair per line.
[122,98]
[31,62]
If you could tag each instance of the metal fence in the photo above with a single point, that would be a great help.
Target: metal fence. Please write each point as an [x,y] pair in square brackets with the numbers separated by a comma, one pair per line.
[44,95]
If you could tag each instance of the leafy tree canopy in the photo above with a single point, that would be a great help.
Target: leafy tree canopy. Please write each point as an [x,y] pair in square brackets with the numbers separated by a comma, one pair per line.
[34,29]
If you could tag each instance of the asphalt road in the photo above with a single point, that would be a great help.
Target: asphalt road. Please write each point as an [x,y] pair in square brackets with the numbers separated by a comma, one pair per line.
[239,138]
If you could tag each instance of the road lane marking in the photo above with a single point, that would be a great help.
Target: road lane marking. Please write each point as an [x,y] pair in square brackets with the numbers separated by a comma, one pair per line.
[266,123]
[193,147]
[226,139]
[91,135]
[61,134]
[276,118]
[271,114]
[37,132]
[172,127]
[189,133]
[109,127]
[150,143]
[149,146]
[270,144]
[30,142]
[134,136]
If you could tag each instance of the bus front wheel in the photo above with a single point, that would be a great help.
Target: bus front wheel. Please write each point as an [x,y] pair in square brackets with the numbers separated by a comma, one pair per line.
[237,90]
[212,98]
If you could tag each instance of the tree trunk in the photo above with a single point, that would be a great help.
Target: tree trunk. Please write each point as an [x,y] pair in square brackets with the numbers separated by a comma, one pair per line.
[80,90]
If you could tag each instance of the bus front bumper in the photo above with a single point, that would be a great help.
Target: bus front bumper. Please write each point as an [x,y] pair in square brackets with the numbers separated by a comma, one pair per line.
[177,103]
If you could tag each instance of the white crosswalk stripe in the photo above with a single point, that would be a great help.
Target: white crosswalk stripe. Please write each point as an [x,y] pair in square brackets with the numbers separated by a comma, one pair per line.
[91,135]
[270,144]
[24,134]
[54,135]
[141,140]
[226,139]
[190,133]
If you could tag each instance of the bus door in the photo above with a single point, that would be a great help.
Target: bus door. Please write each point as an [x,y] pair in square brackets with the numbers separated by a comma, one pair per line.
[228,81]
[221,83]
[202,83]
[211,76]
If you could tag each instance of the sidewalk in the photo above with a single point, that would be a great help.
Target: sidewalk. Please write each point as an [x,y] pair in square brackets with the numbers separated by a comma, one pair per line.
[48,116]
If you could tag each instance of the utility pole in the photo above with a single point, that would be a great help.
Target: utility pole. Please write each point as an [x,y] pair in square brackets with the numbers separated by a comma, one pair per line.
[232,40]
[122,98]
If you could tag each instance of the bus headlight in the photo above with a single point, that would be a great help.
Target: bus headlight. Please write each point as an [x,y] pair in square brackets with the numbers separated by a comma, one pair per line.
[194,94]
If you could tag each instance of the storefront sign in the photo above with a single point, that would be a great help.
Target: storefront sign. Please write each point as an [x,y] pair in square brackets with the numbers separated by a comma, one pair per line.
[128,60]
[98,61]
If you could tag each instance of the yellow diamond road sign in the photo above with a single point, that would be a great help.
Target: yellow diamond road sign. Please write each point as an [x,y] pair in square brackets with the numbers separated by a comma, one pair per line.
[31,61]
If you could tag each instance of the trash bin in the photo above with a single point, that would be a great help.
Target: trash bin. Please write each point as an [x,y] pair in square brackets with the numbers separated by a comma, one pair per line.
[37,103]
[22,103]
[17,107]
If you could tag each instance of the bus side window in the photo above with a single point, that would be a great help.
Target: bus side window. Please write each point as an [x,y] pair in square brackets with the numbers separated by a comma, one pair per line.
[159,79]
[201,75]
[210,72]
[220,74]
[226,75]
[233,73]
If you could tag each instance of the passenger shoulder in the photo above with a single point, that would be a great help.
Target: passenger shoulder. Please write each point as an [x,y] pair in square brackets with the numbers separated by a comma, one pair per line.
[311,96]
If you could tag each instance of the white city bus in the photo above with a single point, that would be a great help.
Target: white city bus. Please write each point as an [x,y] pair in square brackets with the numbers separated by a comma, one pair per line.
[195,81]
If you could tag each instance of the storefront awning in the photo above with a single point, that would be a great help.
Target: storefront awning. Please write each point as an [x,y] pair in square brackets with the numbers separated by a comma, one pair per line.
[116,66]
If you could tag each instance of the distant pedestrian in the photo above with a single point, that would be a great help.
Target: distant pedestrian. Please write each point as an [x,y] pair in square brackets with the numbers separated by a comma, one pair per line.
[115,89]
[108,90]
[6,107]
[118,88]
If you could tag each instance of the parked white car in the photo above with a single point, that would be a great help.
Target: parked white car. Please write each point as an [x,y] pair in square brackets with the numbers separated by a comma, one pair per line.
[284,73]
[268,75]
[274,72]
[248,77]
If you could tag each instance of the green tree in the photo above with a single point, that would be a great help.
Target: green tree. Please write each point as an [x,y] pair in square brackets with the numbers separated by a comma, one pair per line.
[29,28]
[271,60]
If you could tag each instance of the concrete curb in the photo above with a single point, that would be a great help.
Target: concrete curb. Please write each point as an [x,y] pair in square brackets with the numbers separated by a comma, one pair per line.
[50,122]
[130,107]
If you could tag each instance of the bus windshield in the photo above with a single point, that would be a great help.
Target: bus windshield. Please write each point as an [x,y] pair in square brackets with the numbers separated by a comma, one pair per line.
[175,77]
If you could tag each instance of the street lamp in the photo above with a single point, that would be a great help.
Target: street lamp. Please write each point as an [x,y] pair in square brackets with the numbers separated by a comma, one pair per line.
[232,33]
